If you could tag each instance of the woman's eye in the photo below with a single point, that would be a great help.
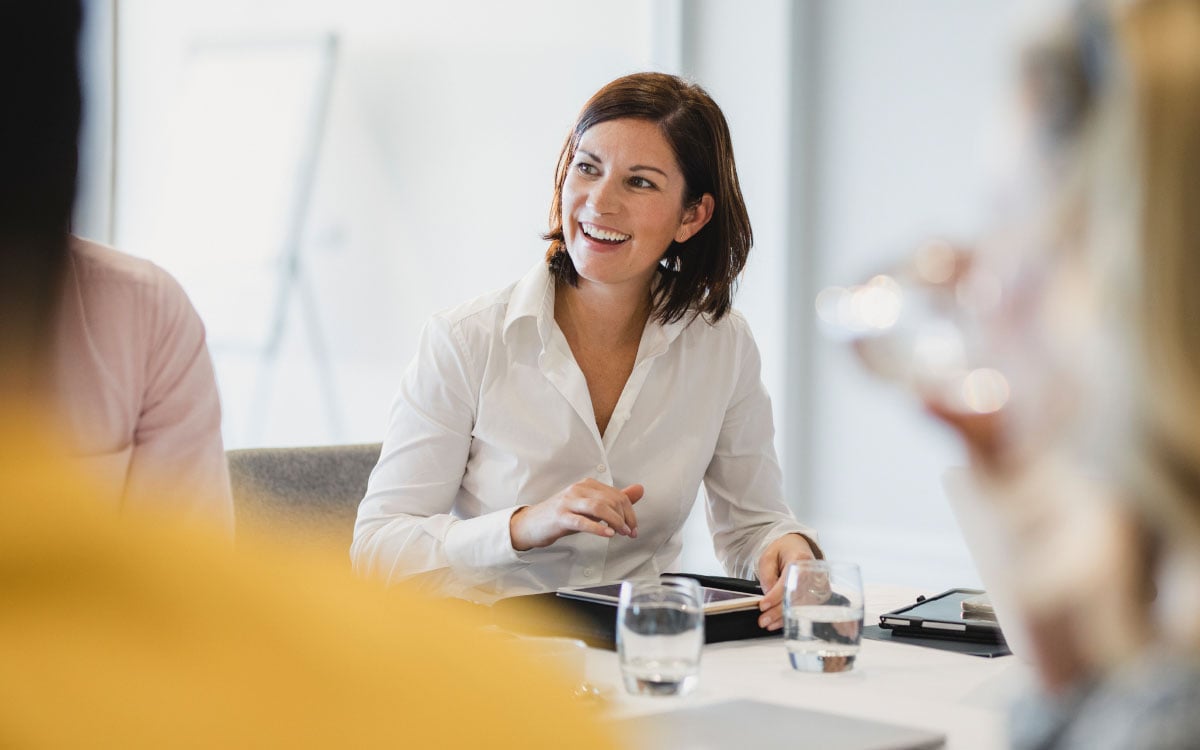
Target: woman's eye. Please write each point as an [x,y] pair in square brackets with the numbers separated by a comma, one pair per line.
[586,168]
[640,182]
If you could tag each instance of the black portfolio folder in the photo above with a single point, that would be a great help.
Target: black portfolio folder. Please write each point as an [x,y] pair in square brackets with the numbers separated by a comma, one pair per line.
[596,622]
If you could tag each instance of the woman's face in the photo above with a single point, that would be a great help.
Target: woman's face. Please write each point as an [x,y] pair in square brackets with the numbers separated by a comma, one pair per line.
[622,203]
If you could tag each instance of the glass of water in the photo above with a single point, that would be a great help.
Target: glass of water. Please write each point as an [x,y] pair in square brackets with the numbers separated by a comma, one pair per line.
[927,324]
[660,633]
[823,615]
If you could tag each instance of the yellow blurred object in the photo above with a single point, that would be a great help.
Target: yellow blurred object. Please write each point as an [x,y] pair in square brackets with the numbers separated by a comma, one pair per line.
[138,632]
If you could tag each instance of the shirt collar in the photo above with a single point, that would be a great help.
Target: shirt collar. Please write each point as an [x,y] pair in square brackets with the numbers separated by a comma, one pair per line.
[533,297]
[658,337]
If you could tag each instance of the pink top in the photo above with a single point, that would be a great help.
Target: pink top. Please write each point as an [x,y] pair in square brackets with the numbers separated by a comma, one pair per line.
[136,388]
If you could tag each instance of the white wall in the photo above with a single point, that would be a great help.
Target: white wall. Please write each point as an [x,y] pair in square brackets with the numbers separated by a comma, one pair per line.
[92,216]
[433,185]
[905,93]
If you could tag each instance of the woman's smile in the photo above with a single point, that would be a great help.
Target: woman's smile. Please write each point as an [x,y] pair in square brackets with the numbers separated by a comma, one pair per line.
[603,235]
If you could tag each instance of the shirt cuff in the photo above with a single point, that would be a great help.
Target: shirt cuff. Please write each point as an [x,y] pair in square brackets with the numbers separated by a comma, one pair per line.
[483,543]
[811,537]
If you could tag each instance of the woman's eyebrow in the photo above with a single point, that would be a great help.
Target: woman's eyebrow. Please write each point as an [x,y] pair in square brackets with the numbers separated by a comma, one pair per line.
[647,167]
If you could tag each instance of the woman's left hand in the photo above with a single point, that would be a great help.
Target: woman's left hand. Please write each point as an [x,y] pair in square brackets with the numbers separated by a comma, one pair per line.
[779,554]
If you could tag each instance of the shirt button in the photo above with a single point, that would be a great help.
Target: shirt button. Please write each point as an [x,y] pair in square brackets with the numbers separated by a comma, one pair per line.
[588,572]
[601,468]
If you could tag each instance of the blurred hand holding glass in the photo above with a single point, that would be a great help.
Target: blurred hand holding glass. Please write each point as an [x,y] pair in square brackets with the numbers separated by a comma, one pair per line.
[992,339]
[822,615]
[660,634]
[922,324]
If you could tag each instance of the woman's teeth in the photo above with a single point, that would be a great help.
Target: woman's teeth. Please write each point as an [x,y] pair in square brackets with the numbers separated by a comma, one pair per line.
[604,235]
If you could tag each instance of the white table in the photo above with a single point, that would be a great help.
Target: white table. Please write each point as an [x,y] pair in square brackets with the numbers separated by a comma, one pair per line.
[965,697]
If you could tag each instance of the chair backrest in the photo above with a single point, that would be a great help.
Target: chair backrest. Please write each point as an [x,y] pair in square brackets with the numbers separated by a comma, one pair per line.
[310,490]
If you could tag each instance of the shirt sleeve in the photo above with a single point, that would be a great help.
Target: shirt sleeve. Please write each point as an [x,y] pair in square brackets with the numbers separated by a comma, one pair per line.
[178,457]
[743,483]
[406,526]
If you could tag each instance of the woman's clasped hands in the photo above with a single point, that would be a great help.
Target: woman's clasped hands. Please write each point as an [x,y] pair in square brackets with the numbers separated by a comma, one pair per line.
[586,506]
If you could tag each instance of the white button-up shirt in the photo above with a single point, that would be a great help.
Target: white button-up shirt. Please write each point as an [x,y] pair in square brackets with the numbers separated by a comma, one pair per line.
[494,414]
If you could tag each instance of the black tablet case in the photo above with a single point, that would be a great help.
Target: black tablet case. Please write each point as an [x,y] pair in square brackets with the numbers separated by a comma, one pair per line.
[939,609]
[596,622]
[971,648]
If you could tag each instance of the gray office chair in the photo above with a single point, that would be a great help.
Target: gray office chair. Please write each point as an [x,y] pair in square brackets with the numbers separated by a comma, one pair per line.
[301,490]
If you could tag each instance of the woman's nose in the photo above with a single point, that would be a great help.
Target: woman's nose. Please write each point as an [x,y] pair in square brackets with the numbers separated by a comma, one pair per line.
[603,198]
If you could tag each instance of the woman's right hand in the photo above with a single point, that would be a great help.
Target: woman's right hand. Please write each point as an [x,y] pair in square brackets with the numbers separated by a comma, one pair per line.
[587,506]
[987,441]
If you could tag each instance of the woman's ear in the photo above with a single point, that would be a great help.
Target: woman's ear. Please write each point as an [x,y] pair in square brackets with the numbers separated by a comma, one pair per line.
[695,217]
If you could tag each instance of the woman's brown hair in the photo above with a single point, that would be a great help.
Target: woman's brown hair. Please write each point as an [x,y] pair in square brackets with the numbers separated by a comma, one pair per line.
[699,275]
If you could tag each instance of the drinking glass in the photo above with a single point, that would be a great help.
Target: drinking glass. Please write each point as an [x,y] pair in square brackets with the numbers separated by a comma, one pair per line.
[822,615]
[1006,342]
[925,324]
[660,633]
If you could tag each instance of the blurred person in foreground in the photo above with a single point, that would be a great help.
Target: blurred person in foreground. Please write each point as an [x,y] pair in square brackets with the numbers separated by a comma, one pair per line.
[1092,466]
[150,631]
[127,369]
[557,432]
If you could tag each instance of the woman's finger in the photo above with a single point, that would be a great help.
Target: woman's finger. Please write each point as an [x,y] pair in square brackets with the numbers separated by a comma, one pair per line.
[578,523]
[631,495]
[608,504]
[600,509]
[772,617]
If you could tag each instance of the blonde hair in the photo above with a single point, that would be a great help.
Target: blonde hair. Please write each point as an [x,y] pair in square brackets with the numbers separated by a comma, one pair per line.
[1161,42]
[1116,100]
[1117,96]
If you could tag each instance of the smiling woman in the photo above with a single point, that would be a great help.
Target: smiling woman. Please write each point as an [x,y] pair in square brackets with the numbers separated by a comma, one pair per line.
[534,419]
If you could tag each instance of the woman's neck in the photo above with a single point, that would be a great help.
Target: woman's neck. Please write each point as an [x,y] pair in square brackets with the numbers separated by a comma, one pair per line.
[601,315]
